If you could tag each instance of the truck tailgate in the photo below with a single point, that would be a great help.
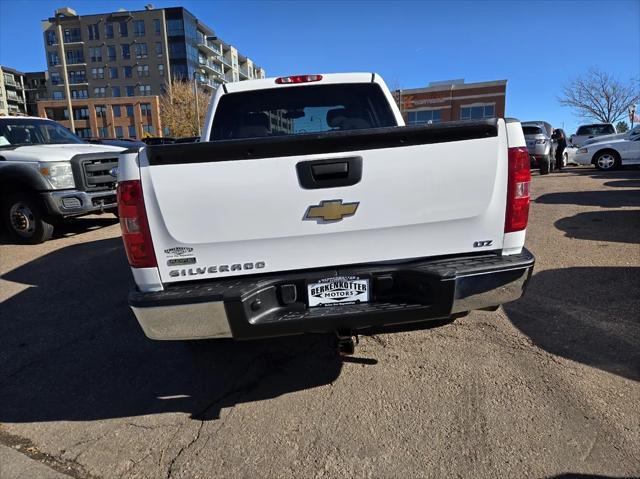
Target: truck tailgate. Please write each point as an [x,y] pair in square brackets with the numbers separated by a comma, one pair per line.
[242,206]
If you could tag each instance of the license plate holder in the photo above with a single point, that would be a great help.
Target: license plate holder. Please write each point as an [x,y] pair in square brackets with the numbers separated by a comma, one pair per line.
[338,291]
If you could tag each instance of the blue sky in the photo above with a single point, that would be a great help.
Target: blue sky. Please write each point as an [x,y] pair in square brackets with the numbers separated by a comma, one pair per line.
[536,46]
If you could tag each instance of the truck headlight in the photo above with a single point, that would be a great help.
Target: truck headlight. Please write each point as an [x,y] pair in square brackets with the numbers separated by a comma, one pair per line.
[59,174]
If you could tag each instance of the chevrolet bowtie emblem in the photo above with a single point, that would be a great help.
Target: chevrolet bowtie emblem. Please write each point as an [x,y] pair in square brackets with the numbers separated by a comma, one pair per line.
[330,211]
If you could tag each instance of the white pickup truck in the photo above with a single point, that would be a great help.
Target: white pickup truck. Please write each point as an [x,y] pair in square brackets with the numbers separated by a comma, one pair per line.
[308,206]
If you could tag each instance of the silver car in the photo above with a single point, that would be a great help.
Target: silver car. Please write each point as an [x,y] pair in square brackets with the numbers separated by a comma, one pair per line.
[541,146]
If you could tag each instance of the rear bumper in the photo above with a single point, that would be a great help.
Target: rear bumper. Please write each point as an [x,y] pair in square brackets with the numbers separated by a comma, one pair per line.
[265,306]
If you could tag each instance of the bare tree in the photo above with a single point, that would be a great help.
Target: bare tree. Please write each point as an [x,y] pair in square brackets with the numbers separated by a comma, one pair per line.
[178,108]
[600,96]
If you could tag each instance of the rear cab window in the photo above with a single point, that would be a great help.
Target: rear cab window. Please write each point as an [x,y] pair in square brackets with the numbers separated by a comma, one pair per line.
[595,130]
[301,110]
[532,130]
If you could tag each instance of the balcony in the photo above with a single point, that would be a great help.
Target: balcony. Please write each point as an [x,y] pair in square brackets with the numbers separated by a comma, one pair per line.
[207,83]
[244,72]
[9,81]
[211,67]
[208,48]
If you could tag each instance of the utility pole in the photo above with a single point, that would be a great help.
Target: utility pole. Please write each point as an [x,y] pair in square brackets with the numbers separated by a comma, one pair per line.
[65,75]
[195,92]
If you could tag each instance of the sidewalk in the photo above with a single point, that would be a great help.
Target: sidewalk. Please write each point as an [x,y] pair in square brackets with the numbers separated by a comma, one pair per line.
[15,465]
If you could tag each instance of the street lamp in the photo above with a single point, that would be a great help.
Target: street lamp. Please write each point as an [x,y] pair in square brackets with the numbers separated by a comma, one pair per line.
[195,92]
[632,114]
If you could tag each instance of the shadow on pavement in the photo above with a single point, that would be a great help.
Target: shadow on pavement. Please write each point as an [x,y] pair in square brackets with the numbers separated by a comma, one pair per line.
[620,226]
[586,314]
[623,183]
[72,350]
[604,198]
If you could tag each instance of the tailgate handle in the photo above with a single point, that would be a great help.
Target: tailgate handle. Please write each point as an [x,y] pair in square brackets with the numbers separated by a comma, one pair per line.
[329,173]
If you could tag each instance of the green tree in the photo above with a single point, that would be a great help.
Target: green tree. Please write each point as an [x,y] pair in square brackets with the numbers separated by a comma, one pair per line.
[622,126]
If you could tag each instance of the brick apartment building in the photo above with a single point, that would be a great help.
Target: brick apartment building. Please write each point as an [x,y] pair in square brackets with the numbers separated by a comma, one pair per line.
[452,100]
[124,60]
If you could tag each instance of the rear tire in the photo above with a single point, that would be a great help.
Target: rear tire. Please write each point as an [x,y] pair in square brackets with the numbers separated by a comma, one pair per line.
[607,160]
[22,216]
[544,166]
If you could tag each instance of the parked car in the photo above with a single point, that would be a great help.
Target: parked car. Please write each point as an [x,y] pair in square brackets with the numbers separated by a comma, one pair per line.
[121,142]
[303,239]
[610,153]
[47,173]
[587,132]
[540,144]
[568,157]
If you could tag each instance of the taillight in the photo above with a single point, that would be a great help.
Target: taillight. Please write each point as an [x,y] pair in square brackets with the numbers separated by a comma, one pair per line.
[298,79]
[518,184]
[134,225]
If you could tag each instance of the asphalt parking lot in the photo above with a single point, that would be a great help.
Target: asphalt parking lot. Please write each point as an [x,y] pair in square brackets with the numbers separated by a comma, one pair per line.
[546,387]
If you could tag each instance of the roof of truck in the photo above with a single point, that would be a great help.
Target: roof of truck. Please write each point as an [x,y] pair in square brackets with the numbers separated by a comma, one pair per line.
[326,78]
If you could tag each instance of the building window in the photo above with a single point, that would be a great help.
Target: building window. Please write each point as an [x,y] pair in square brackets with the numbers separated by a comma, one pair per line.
[75,57]
[111,53]
[123,29]
[119,132]
[79,93]
[103,132]
[177,50]
[161,70]
[175,27]
[132,131]
[158,49]
[56,79]
[94,31]
[101,111]
[129,111]
[97,73]
[126,51]
[95,54]
[72,35]
[156,27]
[424,116]
[81,113]
[145,89]
[145,109]
[57,95]
[131,90]
[141,50]
[115,91]
[143,71]
[99,92]
[51,37]
[83,132]
[127,72]
[138,28]
[477,112]
[108,30]
[53,59]
[113,72]
[116,111]
[148,129]
[76,76]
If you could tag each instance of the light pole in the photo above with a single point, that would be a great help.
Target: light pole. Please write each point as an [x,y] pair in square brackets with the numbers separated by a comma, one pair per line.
[195,92]
[632,114]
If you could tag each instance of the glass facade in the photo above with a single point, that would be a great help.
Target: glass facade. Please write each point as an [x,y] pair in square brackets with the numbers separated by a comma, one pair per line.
[477,112]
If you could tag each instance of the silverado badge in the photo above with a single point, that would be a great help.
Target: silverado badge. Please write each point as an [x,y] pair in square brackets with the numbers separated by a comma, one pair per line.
[330,211]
